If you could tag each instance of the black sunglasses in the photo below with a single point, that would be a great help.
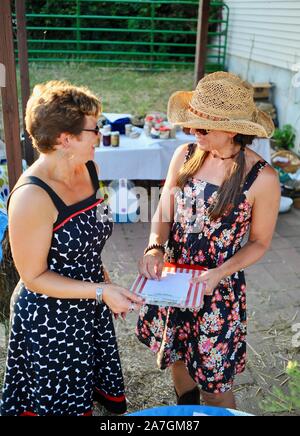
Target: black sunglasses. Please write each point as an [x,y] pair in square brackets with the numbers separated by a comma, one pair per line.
[96,130]
[203,131]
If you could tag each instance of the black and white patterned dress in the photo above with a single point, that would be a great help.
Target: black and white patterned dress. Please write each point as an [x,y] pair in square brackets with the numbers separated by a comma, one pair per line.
[62,353]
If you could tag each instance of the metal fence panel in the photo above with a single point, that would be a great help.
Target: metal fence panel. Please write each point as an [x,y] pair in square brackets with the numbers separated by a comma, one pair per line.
[148,34]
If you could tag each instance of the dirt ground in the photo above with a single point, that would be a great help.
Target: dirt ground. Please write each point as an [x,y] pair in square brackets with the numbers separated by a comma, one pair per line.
[273,309]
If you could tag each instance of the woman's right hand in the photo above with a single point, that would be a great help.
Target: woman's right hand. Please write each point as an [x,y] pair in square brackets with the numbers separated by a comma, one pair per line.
[151,264]
[120,300]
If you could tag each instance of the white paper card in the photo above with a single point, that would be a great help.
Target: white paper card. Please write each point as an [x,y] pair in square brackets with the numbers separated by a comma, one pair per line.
[174,289]
[171,287]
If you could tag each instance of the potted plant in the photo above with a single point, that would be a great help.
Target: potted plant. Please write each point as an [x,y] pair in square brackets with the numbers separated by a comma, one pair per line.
[285,158]
[284,138]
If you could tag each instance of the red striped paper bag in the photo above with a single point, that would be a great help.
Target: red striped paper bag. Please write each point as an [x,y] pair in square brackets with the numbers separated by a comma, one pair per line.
[174,288]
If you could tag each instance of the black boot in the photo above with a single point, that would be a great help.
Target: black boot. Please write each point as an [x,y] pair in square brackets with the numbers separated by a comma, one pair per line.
[189,398]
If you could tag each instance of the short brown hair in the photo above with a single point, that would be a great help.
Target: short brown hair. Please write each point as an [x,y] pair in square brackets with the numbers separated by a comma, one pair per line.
[56,107]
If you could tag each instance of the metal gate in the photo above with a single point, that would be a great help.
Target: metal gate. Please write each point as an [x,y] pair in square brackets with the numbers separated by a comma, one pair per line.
[144,34]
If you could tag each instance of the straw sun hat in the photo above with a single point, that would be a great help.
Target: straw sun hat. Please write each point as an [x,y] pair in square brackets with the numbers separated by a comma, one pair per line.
[221,101]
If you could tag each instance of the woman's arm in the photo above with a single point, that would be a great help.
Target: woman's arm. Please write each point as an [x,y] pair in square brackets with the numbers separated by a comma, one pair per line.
[107,278]
[31,218]
[266,191]
[152,263]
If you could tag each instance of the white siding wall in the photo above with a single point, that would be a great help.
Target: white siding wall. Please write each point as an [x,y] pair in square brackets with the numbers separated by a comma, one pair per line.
[265,31]
[263,45]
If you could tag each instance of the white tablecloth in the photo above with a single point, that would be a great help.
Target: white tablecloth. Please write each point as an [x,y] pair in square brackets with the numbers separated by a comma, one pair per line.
[145,158]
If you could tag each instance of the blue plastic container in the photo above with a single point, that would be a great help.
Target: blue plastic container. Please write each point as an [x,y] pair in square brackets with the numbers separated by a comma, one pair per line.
[3,226]
[189,411]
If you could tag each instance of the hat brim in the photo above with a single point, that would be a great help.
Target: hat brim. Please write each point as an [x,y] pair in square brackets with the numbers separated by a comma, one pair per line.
[179,114]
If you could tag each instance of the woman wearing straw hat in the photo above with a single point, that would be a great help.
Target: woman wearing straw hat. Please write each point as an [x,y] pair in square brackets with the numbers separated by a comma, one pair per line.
[224,187]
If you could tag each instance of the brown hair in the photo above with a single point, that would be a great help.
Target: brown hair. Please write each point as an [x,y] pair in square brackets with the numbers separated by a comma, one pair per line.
[56,107]
[232,185]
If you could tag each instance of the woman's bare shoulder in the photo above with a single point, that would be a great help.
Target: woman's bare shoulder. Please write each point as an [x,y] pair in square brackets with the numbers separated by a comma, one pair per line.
[180,154]
[178,157]
[252,158]
[182,150]
[267,181]
[28,198]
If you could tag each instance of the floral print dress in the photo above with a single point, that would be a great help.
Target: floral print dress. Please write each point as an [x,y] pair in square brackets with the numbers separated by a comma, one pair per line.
[211,341]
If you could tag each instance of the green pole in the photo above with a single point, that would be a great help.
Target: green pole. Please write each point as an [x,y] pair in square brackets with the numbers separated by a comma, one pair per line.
[152,33]
[78,27]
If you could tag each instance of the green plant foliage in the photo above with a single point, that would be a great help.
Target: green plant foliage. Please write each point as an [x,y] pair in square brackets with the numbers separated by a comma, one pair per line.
[285,137]
[280,401]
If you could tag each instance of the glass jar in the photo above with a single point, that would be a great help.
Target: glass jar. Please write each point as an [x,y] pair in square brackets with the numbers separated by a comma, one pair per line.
[106,139]
[115,139]
[128,129]
[154,133]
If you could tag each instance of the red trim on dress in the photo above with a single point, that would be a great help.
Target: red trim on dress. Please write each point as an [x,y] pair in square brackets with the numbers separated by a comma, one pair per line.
[26,413]
[89,413]
[109,397]
[77,213]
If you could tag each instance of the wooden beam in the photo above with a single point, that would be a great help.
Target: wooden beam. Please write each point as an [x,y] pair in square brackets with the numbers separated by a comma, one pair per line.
[202,37]
[10,96]
[24,73]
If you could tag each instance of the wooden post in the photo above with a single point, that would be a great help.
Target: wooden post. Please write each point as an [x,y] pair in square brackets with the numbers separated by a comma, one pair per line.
[10,96]
[24,73]
[202,37]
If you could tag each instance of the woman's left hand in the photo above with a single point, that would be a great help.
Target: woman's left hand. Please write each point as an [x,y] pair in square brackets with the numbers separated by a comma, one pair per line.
[210,279]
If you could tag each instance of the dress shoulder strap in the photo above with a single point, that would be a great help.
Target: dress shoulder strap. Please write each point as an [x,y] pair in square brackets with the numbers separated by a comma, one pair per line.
[253,173]
[190,151]
[33,180]
[93,174]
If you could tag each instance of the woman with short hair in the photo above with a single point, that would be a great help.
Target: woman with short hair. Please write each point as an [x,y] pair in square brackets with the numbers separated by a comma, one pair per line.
[62,351]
